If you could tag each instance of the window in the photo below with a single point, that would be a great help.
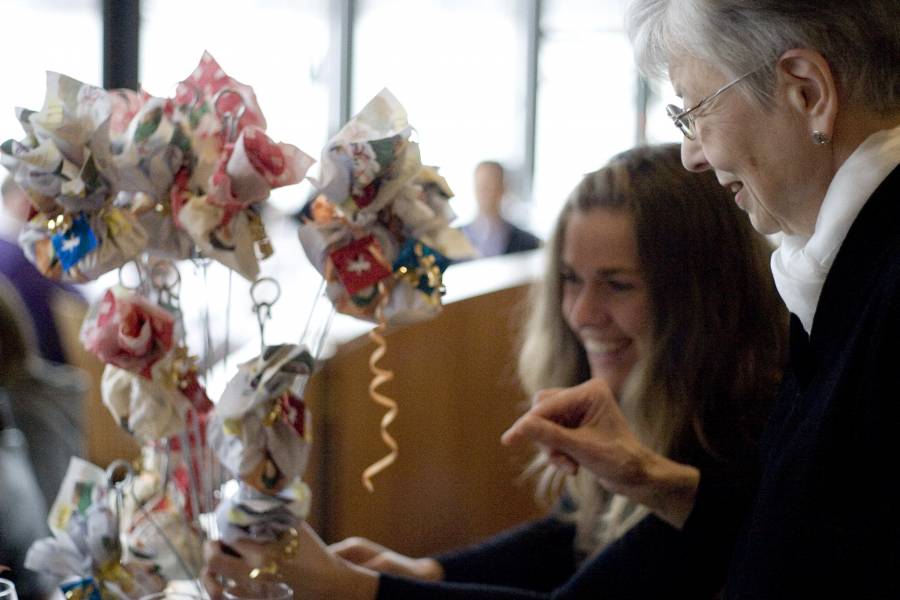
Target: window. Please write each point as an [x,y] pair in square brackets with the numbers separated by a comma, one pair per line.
[586,103]
[458,67]
[45,35]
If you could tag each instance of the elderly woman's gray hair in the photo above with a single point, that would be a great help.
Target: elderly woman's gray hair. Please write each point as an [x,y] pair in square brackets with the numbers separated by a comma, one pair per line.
[860,39]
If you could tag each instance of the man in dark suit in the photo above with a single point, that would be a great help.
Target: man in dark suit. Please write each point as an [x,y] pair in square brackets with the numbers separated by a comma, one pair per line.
[490,233]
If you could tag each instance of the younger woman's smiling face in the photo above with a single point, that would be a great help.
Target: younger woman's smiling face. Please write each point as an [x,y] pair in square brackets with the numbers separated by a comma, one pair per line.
[604,296]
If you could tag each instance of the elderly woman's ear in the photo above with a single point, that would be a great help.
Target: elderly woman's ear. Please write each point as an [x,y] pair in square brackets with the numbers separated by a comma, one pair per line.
[807,83]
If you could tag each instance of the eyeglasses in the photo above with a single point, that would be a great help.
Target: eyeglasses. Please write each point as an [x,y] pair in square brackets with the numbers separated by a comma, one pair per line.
[684,119]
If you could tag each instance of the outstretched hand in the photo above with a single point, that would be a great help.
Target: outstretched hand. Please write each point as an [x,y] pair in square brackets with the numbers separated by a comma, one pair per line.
[366,553]
[583,426]
[309,569]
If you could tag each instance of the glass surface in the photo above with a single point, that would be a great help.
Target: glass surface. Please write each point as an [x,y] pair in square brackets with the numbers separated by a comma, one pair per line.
[586,104]
[175,595]
[659,126]
[45,35]
[459,70]
[258,590]
[7,590]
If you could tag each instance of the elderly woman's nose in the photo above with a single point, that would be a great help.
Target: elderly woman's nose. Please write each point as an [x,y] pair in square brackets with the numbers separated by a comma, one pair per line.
[692,156]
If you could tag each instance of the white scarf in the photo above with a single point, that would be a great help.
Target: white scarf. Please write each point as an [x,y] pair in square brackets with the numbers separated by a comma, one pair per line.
[801,264]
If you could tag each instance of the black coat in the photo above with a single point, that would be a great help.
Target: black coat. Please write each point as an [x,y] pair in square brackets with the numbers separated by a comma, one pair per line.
[826,520]
[520,241]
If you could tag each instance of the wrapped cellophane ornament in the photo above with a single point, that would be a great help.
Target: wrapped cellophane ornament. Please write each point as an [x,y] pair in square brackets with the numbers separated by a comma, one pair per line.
[379,233]
[150,382]
[112,174]
[65,164]
[85,554]
[260,430]
[235,166]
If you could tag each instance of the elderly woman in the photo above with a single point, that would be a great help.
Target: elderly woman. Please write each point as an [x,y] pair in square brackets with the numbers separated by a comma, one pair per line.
[796,108]
[640,293]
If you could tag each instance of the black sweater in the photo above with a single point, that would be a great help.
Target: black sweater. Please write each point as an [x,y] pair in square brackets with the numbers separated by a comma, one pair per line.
[652,560]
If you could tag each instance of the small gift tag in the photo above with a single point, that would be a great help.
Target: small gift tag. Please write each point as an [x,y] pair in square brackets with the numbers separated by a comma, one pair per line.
[360,264]
[75,243]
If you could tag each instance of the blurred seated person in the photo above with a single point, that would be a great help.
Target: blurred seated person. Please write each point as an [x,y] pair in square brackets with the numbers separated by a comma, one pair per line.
[640,297]
[46,399]
[490,233]
[45,300]
[23,508]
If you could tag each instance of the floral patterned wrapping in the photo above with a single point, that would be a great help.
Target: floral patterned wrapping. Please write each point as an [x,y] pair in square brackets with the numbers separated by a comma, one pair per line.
[150,382]
[224,222]
[235,166]
[260,427]
[85,553]
[127,330]
[380,232]
[113,174]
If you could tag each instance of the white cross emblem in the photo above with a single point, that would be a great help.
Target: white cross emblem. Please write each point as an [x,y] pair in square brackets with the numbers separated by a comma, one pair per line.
[71,243]
[359,265]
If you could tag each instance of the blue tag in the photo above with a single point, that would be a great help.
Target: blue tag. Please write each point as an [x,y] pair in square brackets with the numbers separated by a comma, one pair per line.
[91,589]
[408,258]
[74,244]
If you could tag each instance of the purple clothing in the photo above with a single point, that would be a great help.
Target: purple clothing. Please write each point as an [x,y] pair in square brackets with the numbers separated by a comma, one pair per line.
[36,292]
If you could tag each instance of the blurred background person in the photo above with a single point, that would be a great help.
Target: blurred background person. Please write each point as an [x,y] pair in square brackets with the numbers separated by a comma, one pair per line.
[46,301]
[45,399]
[23,507]
[490,233]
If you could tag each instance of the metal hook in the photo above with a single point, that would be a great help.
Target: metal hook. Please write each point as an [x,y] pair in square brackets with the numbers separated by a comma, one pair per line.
[196,95]
[263,307]
[166,280]
[230,118]
[118,475]
[141,285]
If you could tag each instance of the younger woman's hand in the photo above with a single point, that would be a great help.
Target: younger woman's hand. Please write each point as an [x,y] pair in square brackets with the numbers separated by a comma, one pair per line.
[309,568]
[366,553]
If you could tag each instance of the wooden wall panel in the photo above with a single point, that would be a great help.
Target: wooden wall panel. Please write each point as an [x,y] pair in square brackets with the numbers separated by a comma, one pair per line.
[453,482]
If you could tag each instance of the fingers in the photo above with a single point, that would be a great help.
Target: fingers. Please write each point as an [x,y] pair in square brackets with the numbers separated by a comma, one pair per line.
[388,562]
[221,565]
[564,462]
[212,584]
[220,561]
[356,550]
[307,535]
[543,394]
[546,433]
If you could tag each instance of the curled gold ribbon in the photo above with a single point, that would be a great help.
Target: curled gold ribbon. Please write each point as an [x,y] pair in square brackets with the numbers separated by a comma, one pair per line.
[379,377]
